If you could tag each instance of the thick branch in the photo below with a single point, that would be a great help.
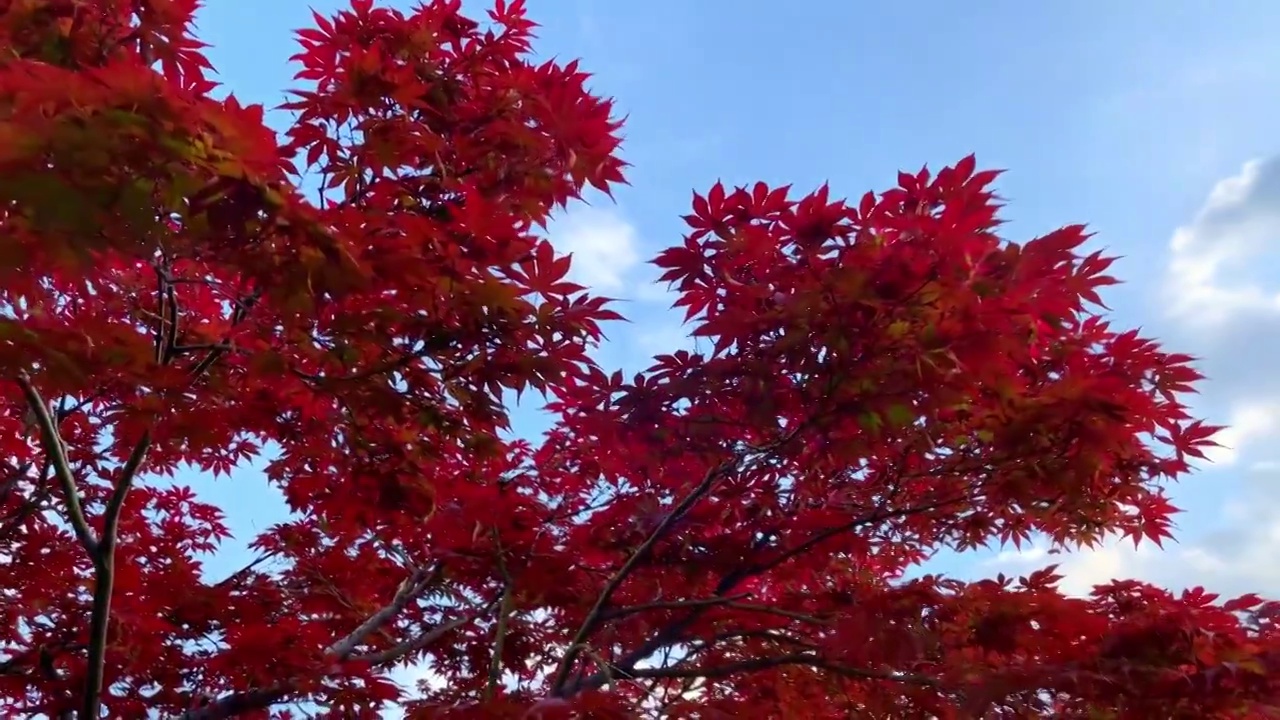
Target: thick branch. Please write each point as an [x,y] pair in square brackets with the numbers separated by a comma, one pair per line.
[101,550]
[61,466]
[104,561]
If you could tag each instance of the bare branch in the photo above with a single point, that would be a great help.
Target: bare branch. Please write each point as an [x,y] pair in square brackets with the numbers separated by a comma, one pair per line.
[104,560]
[230,706]
[768,663]
[673,605]
[417,581]
[61,466]
[789,614]
[408,647]
[595,614]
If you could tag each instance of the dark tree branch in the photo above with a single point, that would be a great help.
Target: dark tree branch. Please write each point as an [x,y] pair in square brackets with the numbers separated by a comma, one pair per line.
[762,664]
[504,615]
[672,605]
[409,647]
[595,614]
[780,612]
[101,550]
[409,589]
[818,538]
[56,451]
[230,706]
[235,704]
[672,632]
[104,561]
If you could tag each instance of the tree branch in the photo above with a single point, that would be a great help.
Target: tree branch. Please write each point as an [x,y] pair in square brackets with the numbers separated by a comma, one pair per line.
[230,706]
[56,451]
[408,647]
[504,615]
[768,663]
[818,538]
[789,614]
[672,632]
[104,561]
[672,605]
[417,581]
[595,614]
[101,550]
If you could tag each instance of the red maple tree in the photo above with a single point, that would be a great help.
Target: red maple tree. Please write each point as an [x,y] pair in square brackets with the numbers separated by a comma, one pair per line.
[725,535]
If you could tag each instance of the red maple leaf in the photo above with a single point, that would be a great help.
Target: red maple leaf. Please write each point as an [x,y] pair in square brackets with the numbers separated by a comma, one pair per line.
[724,535]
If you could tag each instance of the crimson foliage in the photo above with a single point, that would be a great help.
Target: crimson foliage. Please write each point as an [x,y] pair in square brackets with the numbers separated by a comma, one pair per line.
[725,535]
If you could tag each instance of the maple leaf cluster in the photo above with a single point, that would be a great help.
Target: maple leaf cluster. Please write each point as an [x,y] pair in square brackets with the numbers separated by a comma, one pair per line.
[729,533]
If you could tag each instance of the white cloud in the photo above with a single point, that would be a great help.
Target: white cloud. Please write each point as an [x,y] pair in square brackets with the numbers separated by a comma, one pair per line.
[666,336]
[1249,423]
[1210,278]
[1223,289]
[1235,556]
[605,247]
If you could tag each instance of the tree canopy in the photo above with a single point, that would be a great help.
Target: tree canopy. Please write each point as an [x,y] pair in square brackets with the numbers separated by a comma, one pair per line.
[731,533]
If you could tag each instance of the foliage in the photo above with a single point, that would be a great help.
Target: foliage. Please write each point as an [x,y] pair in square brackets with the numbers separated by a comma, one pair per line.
[727,534]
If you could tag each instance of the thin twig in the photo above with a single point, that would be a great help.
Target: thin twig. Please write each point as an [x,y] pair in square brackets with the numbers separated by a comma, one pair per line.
[244,571]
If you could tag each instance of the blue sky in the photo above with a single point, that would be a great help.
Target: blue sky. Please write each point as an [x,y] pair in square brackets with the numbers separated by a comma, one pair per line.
[1123,115]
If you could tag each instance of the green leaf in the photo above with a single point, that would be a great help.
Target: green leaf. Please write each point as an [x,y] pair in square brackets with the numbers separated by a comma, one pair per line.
[901,415]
